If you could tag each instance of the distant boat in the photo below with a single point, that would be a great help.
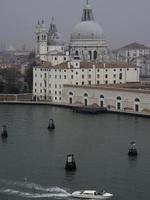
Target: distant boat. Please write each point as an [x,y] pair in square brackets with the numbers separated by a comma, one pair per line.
[70,163]
[4,133]
[92,194]
[51,124]
[89,109]
[132,151]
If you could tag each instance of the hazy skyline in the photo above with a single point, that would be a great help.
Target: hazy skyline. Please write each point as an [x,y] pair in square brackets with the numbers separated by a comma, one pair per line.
[123,21]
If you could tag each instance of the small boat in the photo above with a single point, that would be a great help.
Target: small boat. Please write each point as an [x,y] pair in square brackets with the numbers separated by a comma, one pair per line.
[51,124]
[70,163]
[92,194]
[4,133]
[132,149]
[89,109]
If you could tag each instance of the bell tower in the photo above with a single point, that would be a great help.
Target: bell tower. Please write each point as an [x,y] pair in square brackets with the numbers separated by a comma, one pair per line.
[41,41]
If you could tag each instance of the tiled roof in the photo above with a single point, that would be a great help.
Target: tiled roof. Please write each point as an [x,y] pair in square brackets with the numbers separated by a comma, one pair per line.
[134,46]
[85,65]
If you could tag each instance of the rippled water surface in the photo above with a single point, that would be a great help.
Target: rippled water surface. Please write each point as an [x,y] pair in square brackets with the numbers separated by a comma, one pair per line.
[32,159]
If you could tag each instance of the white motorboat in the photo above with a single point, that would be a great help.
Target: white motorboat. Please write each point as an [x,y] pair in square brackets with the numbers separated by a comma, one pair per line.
[92,194]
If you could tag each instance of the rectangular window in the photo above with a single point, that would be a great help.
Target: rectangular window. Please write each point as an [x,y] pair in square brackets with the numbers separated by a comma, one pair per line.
[64,76]
[98,76]
[71,76]
[83,83]
[82,75]
[76,83]
[89,75]
[106,75]
[120,76]
[106,82]
[98,82]
[89,82]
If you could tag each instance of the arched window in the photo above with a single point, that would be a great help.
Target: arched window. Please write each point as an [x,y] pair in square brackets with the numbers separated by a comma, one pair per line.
[118,98]
[90,55]
[70,93]
[137,100]
[102,96]
[77,53]
[95,55]
[85,95]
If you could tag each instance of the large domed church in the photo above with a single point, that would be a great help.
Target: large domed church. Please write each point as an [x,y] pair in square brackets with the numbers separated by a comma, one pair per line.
[87,41]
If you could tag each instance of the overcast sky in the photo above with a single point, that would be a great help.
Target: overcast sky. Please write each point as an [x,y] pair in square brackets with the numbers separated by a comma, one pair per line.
[123,21]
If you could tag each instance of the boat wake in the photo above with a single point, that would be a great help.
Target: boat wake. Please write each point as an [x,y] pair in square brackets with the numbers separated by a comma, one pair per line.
[31,190]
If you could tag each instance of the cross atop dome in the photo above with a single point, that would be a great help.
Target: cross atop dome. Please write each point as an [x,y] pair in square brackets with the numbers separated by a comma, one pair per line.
[87,2]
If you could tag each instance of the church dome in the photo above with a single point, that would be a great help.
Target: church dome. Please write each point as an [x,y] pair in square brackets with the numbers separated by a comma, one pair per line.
[54,37]
[87,30]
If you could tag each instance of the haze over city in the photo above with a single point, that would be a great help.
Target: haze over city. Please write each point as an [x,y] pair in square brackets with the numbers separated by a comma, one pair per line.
[122,21]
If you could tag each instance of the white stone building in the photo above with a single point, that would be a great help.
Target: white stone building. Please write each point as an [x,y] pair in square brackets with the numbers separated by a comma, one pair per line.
[137,54]
[132,51]
[128,98]
[48,80]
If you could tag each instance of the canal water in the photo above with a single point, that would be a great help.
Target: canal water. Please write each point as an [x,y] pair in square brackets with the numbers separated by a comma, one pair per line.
[32,159]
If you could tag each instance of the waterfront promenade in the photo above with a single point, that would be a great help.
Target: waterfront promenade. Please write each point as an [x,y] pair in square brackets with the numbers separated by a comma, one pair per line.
[71,106]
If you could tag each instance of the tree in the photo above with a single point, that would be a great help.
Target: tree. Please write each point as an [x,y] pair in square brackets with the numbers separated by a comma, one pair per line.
[28,78]
[11,78]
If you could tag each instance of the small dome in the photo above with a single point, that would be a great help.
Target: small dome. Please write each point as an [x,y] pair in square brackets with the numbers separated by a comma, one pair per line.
[87,30]
[54,37]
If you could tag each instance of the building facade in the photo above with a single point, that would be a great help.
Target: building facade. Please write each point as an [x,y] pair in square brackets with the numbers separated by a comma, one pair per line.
[87,41]
[120,98]
[48,80]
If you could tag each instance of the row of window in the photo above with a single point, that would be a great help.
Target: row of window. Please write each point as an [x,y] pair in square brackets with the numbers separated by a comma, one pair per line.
[44,91]
[72,76]
[56,85]
[102,97]
[98,70]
